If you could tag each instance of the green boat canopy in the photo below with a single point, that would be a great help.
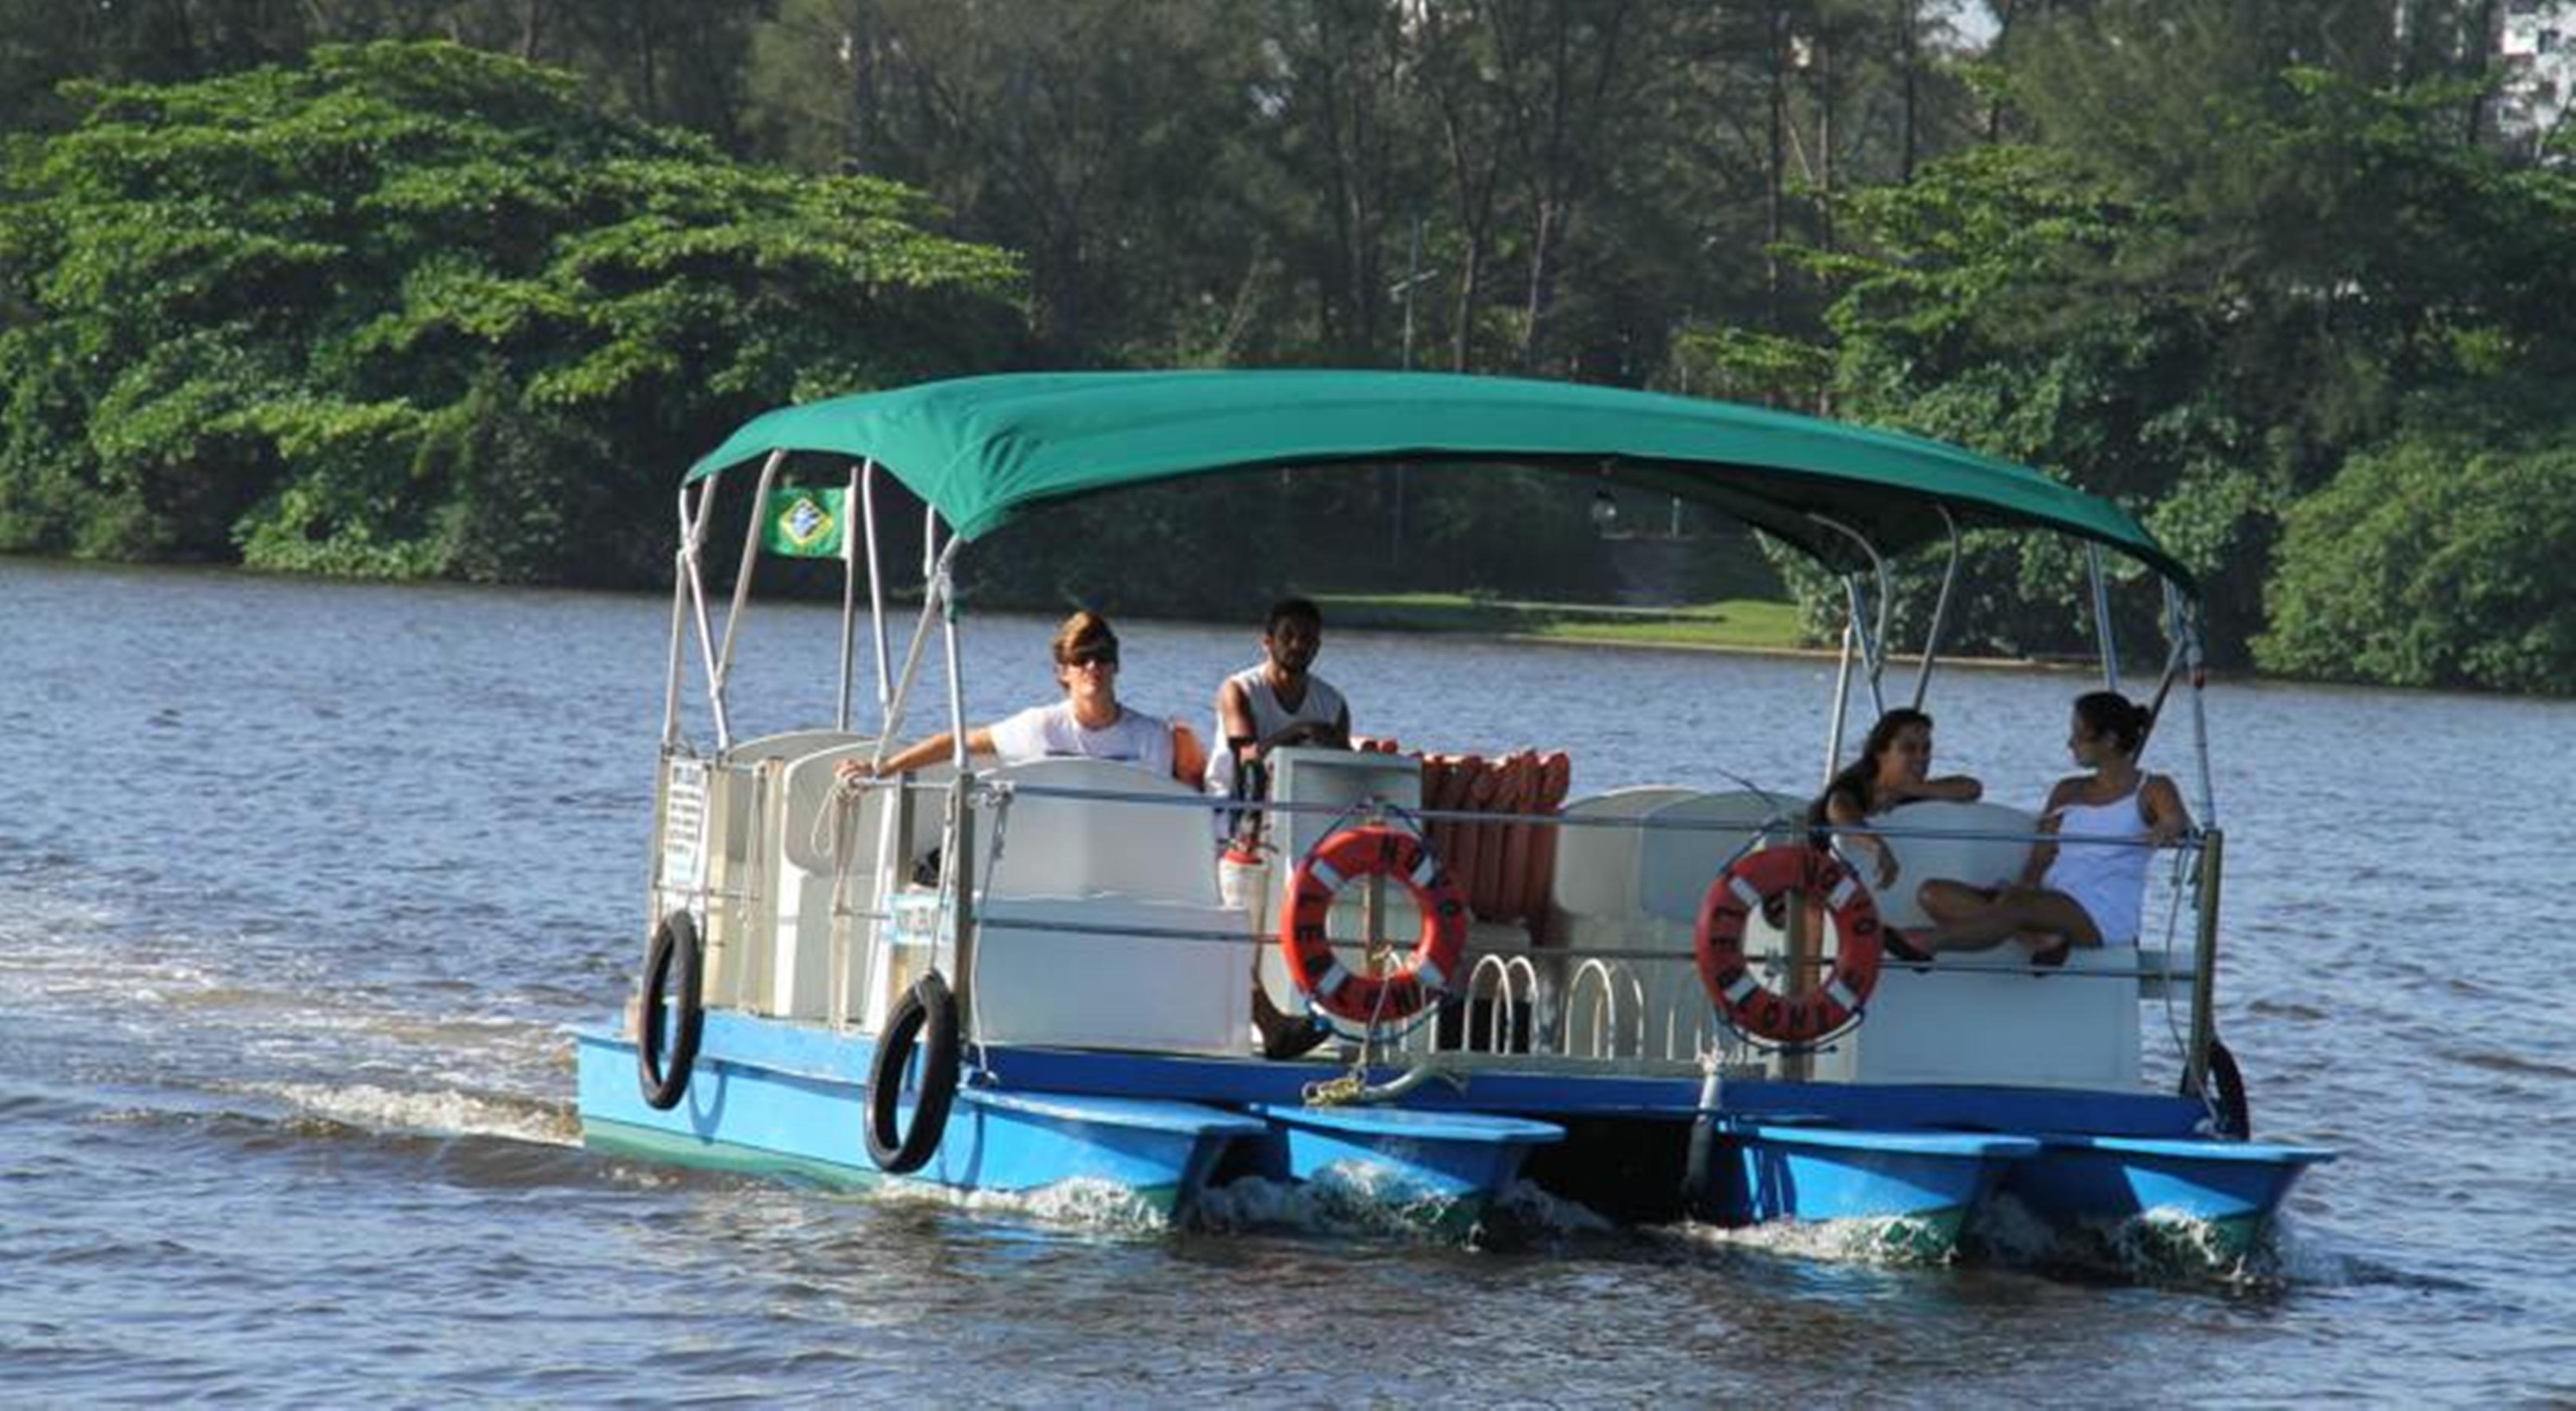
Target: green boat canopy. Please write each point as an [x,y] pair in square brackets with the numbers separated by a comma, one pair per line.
[984,450]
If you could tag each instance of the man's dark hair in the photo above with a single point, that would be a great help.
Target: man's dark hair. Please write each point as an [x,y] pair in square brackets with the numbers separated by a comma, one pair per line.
[1292,610]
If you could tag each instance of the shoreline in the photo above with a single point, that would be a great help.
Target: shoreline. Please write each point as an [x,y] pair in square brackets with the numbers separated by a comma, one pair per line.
[910,602]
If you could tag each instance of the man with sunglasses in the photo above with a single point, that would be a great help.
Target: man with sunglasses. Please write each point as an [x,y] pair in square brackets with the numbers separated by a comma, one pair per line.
[1088,723]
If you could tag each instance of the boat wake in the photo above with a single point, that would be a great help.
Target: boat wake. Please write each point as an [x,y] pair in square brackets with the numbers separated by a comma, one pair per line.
[1104,1207]
[1891,1242]
[433,1113]
[1365,1203]
[2160,1248]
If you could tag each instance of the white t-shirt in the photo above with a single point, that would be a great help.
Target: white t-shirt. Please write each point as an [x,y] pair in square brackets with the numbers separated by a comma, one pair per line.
[1051,732]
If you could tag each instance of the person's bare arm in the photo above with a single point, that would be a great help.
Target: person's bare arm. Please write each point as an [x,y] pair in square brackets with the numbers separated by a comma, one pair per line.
[920,752]
[2167,818]
[1189,757]
[1234,716]
[1949,788]
[2046,852]
[1843,813]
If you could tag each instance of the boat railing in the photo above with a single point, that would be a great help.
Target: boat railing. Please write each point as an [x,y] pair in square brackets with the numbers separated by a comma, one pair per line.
[1596,1026]
[711,858]
[1623,997]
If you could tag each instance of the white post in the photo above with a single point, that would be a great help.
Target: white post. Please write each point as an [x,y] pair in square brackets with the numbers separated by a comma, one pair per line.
[2102,616]
[742,592]
[876,597]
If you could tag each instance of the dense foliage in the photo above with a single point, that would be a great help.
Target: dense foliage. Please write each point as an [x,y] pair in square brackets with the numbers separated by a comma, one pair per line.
[2224,260]
[418,309]
[2380,570]
[2226,278]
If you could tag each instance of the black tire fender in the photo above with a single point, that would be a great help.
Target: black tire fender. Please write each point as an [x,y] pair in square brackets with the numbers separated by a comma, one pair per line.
[924,1019]
[674,974]
[2230,1117]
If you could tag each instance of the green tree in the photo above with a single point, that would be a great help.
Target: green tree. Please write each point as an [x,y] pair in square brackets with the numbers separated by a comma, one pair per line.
[2211,272]
[2433,562]
[1096,137]
[417,309]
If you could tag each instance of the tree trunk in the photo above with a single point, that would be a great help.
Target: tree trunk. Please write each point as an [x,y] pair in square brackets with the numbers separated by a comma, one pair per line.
[532,26]
[1910,74]
[1773,185]
[648,99]
[1824,137]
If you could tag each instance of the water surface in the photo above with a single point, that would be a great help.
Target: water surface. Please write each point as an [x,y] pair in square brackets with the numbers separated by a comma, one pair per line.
[307,881]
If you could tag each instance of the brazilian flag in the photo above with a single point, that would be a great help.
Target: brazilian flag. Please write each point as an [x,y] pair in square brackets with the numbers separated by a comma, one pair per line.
[803,522]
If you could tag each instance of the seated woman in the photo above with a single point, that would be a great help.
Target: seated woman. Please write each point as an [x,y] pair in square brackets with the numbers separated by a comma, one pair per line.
[2085,887]
[1088,723]
[1895,766]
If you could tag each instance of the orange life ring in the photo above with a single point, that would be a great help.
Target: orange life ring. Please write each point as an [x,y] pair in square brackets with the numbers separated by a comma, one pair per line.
[1371,851]
[1756,1008]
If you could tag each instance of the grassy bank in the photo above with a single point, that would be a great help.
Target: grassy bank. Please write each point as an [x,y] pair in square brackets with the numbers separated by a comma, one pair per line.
[1738,624]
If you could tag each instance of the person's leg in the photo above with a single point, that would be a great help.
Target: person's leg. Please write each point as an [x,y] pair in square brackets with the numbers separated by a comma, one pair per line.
[2035,915]
[1946,901]
[1958,913]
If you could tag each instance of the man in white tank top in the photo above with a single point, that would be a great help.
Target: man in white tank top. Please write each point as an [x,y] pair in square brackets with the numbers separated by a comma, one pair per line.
[1281,701]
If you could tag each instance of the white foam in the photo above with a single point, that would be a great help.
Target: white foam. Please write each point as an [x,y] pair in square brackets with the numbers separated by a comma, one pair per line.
[1347,1198]
[1885,1241]
[443,1112]
[1355,1199]
[1086,1204]
[2156,1246]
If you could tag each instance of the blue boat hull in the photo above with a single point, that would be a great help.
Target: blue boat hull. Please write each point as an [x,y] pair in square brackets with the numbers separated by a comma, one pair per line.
[1925,1182]
[779,1111]
[1443,1167]
[788,1099]
[2228,1190]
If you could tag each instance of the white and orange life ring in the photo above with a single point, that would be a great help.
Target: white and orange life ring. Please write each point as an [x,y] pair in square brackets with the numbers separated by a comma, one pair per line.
[1372,850]
[1757,1009]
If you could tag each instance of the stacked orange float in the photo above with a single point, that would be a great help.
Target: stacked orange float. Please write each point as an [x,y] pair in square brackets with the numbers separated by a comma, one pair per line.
[1503,865]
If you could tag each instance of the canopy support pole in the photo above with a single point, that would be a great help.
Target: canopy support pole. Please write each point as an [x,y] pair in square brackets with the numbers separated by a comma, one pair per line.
[2204,979]
[1842,702]
[2207,812]
[958,865]
[684,570]
[2102,616]
[1873,639]
[1940,610]
[849,608]
[930,605]
[692,550]
[876,595]
[2174,639]
[742,595]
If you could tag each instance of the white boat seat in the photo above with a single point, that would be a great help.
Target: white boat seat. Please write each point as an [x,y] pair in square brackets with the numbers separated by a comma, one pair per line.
[798,985]
[790,744]
[1595,874]
[1178,983]
[1994,860]
[1639,888]
[810,781]
[1676,865]
[1065,847]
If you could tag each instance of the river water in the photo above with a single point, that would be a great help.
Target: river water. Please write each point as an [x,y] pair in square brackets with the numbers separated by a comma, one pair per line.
[306,882]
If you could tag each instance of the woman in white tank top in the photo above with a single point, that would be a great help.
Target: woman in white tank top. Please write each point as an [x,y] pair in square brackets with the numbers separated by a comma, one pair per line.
[2086,885]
